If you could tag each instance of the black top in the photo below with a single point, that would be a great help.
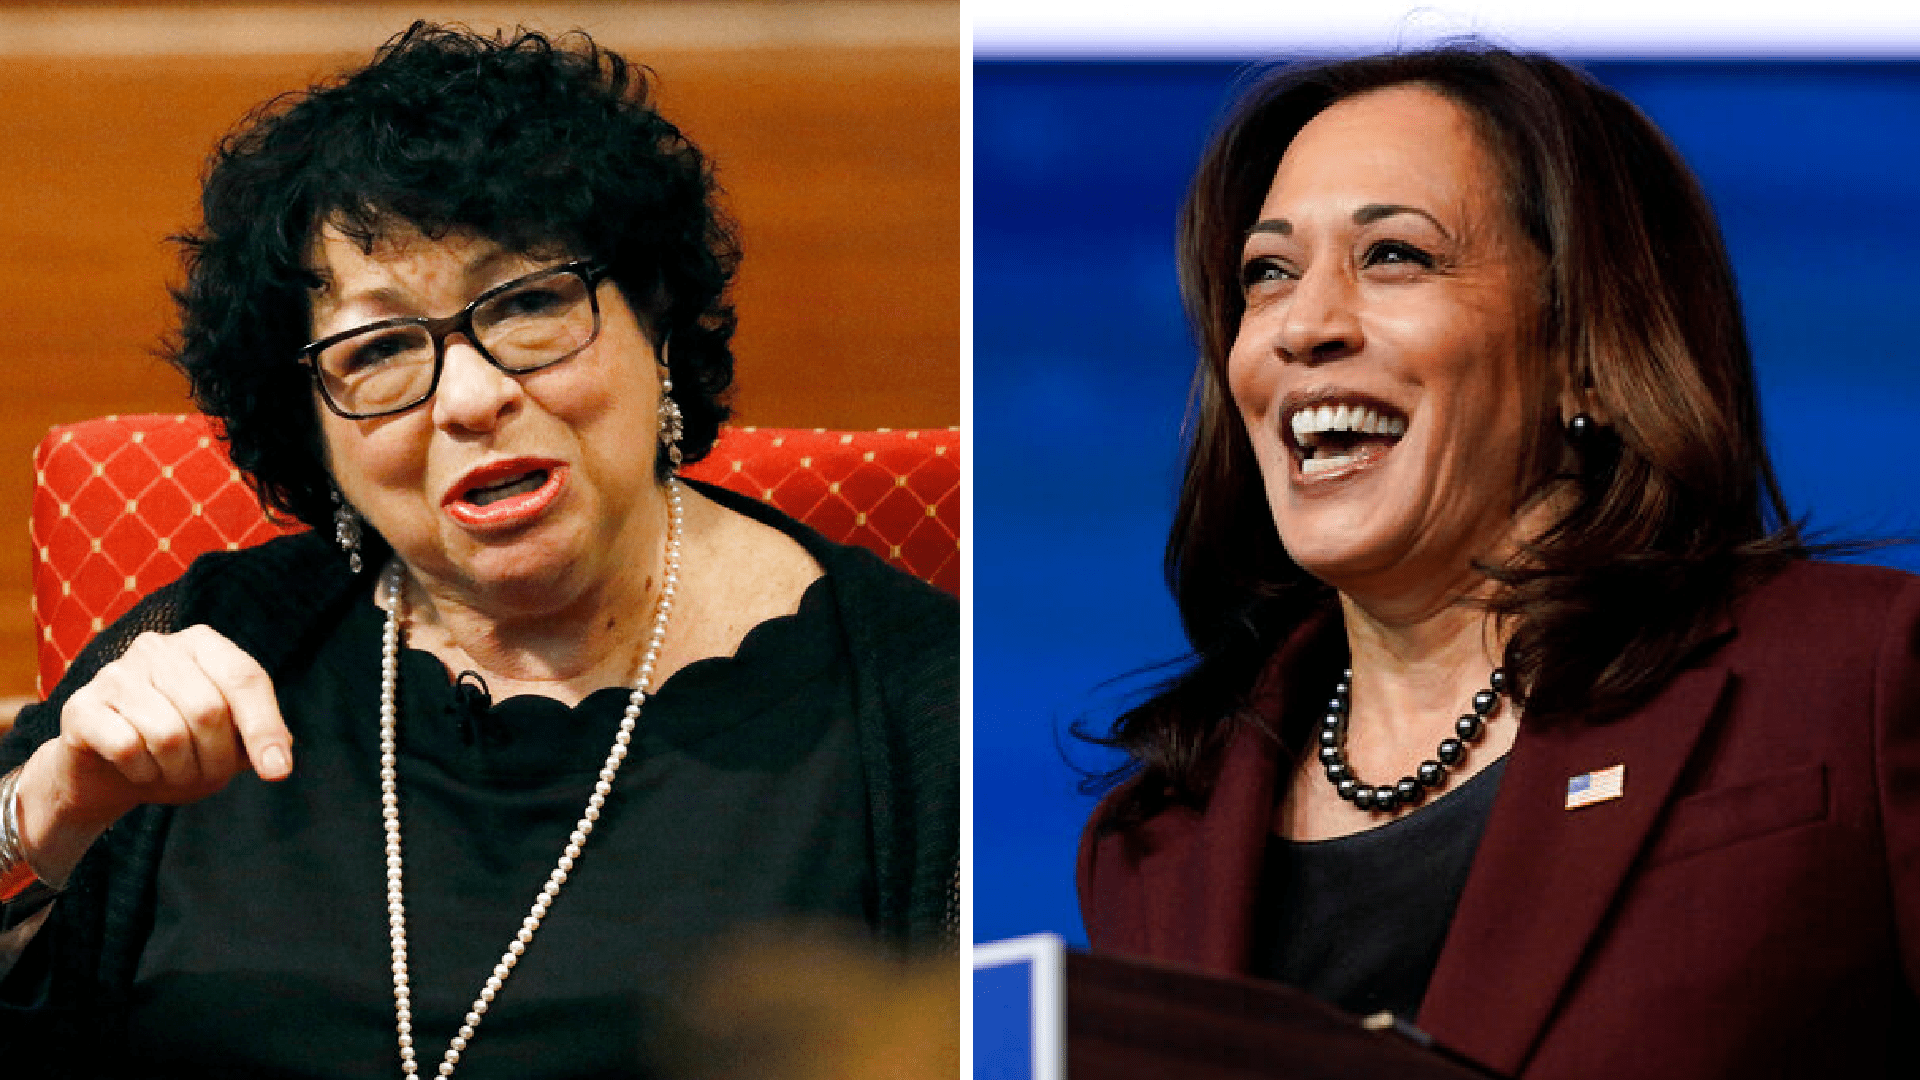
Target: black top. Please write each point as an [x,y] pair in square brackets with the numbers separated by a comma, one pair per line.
[875,822]
[1358,921]
[270,958]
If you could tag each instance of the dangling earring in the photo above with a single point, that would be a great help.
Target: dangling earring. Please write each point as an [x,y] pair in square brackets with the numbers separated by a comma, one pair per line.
[672,426]
[346,531]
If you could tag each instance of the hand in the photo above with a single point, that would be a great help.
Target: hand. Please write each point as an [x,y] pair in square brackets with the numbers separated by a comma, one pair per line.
[170,721]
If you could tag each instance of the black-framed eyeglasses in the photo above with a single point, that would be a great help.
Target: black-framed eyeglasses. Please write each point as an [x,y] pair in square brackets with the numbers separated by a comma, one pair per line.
[520,326]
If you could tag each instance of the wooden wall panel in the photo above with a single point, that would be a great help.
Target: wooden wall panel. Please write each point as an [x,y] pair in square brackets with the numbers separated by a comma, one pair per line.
[841,164]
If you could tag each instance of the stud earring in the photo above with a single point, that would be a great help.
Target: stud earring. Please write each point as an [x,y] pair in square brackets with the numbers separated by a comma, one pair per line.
[1580,429]
[346,531]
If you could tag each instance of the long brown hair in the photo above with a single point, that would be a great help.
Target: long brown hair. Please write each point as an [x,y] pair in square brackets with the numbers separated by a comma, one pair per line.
[1675,506]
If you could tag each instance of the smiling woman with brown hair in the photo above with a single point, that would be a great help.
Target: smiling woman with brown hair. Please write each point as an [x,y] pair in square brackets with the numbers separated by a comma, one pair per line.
[1517,704]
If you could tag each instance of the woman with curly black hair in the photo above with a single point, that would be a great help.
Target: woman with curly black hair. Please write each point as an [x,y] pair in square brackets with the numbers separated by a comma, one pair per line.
[465,313]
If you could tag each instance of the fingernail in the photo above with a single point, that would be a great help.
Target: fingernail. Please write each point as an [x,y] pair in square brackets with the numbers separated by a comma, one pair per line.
[274,764]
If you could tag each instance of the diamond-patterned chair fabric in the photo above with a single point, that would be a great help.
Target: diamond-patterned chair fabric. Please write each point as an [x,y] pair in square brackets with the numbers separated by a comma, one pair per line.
[122,504]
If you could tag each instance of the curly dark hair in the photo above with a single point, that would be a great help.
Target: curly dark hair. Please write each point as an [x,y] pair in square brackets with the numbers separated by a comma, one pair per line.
[539,144]
[1677,509]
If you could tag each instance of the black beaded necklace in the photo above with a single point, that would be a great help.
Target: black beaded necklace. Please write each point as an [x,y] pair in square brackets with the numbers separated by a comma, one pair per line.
[1411,790]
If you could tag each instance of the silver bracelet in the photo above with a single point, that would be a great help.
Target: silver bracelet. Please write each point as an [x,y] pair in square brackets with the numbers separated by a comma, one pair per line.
[22,891]
[10,848]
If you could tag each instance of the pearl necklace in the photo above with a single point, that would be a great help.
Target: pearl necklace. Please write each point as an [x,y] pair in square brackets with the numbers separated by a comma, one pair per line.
[390,803]
[1410,790]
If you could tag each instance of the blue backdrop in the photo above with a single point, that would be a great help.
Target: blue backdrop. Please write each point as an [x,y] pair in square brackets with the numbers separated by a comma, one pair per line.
[1082,358]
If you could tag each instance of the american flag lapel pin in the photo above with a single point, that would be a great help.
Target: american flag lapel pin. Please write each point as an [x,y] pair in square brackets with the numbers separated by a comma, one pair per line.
[1596,787]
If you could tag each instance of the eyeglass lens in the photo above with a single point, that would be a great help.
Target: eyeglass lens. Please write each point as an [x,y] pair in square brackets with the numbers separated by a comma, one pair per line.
[544,319]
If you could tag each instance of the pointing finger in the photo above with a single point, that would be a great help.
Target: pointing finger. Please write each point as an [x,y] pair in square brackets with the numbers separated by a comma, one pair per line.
[203,714]
[250,700]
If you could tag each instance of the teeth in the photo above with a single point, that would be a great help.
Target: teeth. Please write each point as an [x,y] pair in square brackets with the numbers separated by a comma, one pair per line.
[1326,461]
[1310,422]
[518,486]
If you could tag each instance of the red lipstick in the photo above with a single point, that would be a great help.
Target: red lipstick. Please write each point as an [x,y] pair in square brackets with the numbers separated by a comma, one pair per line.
[477,502]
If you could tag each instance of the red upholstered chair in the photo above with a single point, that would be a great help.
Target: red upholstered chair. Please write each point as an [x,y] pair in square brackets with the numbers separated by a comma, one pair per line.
[122,504]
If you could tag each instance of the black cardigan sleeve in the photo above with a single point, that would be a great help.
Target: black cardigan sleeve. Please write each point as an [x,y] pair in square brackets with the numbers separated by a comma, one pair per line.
[904,637]
[262,599]
[910,739]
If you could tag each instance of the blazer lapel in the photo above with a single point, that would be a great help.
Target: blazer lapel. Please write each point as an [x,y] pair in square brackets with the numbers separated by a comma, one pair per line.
[1202,873]
[1546,876]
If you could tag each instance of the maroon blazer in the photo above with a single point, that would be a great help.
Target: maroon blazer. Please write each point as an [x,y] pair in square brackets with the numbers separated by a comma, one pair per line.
[1750,906]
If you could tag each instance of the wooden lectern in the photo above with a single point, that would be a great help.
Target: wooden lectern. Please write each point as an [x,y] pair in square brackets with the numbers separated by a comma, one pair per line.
[1109,1017]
